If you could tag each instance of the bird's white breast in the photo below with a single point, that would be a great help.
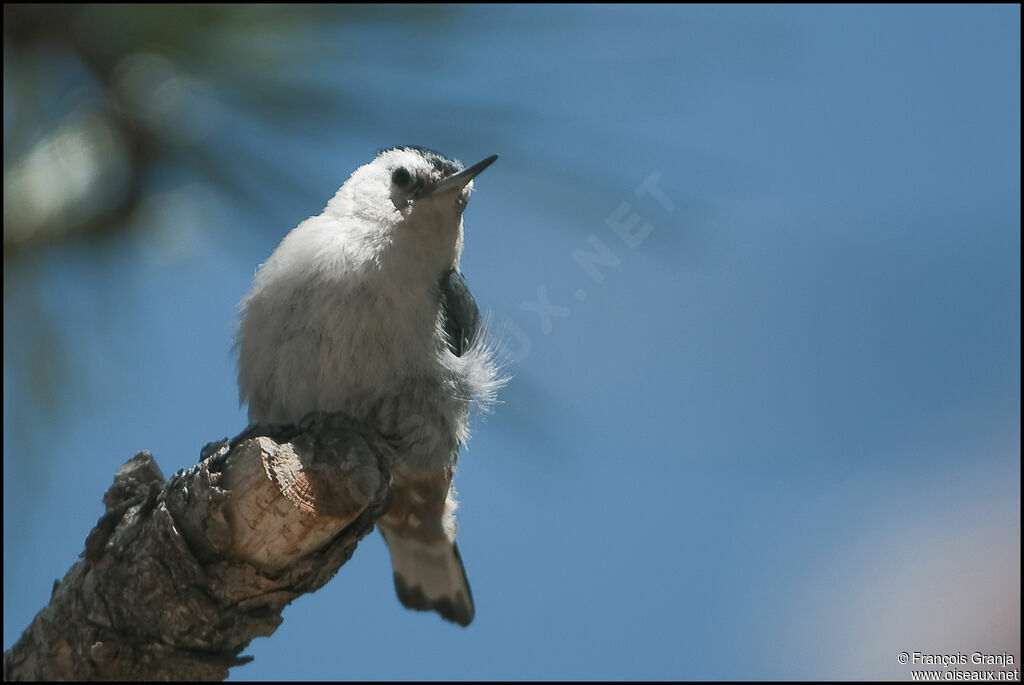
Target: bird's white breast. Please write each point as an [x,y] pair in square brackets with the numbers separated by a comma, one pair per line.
[328,327]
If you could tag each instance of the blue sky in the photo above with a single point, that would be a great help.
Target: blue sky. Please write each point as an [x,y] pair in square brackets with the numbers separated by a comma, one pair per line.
[780,438]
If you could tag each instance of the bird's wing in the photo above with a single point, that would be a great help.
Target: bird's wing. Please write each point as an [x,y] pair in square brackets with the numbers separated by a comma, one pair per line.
[461,316]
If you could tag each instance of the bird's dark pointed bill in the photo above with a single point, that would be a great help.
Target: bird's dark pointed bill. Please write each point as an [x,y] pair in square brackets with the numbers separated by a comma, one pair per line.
[460,179]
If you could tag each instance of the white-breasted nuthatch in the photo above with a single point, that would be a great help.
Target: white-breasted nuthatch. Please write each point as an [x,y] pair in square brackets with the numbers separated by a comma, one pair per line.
[363,310]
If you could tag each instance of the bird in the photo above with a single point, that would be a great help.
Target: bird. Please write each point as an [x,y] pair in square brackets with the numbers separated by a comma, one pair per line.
[363,309]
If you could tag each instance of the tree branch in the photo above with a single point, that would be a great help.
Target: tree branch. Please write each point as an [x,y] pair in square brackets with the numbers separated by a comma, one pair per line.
[177,577]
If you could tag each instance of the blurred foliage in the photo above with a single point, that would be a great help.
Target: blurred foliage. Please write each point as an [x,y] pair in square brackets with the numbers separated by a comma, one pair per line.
[97,96]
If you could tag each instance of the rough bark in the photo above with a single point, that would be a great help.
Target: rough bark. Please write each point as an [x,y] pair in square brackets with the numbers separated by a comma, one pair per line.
[177,577]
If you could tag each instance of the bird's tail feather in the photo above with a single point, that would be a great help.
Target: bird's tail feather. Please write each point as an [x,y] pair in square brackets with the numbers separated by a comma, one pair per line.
[430,576]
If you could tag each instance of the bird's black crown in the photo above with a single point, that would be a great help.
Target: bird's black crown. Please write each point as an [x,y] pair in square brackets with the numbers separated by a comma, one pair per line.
[446,165]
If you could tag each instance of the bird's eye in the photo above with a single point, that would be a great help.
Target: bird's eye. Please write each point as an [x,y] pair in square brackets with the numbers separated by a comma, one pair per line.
[401,177]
